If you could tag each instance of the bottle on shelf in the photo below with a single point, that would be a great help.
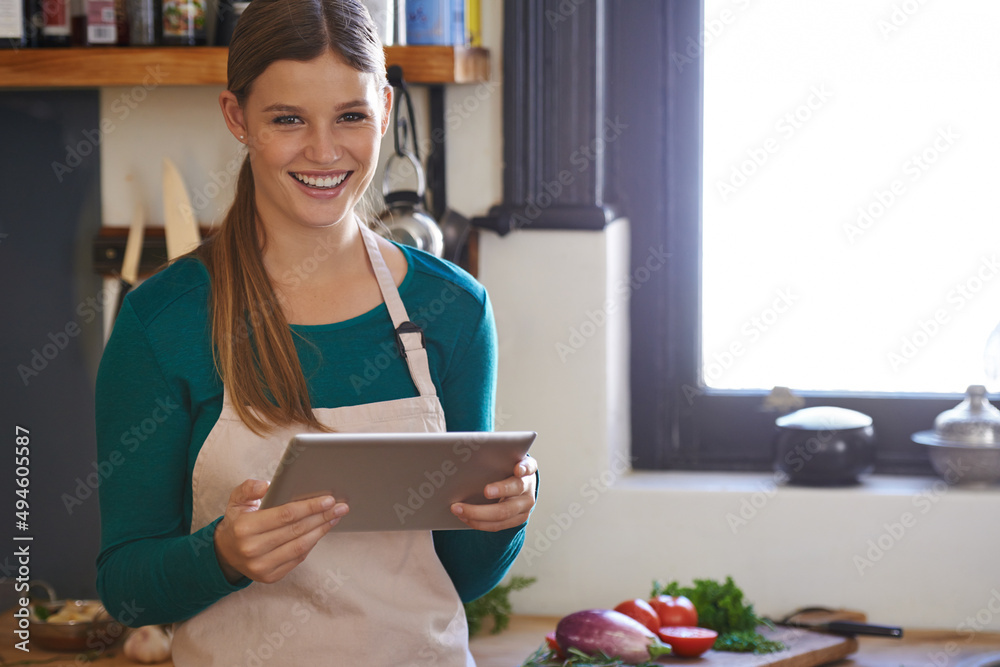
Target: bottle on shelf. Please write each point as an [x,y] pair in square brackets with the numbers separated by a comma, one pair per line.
[144,22]
[184,22]
[227,13]
[436,22]
[78,22]
[20,24]
[56,30]
[102,23]
[121,23]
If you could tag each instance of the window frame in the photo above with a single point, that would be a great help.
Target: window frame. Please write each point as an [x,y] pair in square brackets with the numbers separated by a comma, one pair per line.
[678,423]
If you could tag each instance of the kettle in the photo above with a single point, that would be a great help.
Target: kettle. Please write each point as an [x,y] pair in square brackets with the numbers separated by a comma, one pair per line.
[404,217]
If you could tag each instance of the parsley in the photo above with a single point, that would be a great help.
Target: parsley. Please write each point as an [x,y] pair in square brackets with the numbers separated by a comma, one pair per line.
[721,608]
[496,604]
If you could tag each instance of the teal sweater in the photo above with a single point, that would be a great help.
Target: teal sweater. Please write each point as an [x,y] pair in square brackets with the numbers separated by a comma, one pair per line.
[159,395]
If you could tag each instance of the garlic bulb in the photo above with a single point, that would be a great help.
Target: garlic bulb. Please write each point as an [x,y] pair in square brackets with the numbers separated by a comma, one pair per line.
[148,645]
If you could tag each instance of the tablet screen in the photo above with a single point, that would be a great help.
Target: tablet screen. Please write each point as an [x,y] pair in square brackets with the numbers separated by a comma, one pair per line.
[397,481]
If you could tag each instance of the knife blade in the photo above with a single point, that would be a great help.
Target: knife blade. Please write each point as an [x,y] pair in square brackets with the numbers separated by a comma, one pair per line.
[180,227]
[133,252]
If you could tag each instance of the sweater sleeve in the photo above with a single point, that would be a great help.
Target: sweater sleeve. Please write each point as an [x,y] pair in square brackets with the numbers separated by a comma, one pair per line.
[475,560]
[150,569]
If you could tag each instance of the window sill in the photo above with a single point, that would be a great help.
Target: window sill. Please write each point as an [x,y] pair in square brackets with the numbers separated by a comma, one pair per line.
[759,482]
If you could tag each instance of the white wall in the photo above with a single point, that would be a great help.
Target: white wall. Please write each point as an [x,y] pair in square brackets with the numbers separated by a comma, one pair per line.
[600,533]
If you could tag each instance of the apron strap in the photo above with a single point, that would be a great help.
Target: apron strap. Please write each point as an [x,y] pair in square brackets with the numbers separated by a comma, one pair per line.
[409,337]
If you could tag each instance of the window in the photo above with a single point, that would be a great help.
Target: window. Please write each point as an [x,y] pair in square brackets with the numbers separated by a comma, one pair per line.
[840,200]
[849,175]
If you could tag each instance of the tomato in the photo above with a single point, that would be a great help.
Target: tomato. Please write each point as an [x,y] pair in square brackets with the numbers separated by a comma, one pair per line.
[674,610]
[688,642]
[550,639]
[642,612]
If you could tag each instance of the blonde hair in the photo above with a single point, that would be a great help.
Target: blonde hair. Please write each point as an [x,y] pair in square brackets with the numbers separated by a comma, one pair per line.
[252,343]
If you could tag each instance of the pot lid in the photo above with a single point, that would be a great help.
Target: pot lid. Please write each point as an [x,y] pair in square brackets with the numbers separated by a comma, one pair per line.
[974,421]
[824,418]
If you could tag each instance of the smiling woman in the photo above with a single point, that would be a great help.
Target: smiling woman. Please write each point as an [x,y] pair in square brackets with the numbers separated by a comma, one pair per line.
[259,335]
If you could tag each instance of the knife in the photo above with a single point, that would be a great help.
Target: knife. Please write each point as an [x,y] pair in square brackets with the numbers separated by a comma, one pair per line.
[180,227]
[848,628]
[133,252]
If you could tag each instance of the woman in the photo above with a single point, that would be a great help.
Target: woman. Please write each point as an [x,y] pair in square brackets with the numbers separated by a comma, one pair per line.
[265,331]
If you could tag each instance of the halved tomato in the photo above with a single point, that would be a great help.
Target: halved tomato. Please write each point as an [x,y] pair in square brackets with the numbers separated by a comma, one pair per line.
[553,645]
[674,610]
[642,612]
[687,641]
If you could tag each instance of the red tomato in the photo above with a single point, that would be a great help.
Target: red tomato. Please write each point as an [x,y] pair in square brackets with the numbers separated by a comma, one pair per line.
[550,639]
[674,610]
[642,612]
[688,642]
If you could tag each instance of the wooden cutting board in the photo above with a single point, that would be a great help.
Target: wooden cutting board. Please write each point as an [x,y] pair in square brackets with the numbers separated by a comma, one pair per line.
[804,648]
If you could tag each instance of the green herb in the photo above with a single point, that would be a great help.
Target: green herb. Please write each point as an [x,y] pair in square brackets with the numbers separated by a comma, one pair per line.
[747,641]
[721,607]
[496,603]
[42,612]
[545,657]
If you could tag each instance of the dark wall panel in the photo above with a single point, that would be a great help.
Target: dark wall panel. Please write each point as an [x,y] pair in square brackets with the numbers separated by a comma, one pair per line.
[51,337]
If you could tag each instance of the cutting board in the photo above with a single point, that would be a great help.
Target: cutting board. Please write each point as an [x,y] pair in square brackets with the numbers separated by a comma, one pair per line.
[804,648]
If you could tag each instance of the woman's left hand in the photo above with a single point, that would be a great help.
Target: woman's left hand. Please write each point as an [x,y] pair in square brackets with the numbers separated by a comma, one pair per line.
[517,497]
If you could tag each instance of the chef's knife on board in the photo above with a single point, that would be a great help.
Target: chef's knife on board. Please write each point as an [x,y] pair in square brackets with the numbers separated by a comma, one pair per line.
[837,621]
[133,253]
[849,628]
[180,227]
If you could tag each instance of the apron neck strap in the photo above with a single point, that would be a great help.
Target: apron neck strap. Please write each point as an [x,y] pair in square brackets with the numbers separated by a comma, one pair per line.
[409,337]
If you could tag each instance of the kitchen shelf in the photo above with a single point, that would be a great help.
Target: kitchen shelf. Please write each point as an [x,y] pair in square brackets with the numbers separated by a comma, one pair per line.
[94,67]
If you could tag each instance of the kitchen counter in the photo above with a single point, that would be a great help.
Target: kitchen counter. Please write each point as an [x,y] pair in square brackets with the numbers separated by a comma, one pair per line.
[917,648]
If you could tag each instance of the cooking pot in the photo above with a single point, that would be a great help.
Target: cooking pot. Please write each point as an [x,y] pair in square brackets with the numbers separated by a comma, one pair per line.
[404,217]
[964,447]
[824,446]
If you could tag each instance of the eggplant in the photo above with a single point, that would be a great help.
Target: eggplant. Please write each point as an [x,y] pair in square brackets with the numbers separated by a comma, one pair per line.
[609,632]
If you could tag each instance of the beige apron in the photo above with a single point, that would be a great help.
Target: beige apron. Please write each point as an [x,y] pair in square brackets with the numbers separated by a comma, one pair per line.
[359,599]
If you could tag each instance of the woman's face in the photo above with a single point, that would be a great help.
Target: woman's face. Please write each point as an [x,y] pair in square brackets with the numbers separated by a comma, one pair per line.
[313,132]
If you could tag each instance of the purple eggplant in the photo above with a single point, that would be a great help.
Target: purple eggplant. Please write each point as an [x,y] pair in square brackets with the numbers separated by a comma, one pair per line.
[610,632]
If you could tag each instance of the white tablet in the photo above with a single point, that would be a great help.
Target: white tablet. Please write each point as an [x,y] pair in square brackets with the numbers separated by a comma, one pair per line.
[397,481]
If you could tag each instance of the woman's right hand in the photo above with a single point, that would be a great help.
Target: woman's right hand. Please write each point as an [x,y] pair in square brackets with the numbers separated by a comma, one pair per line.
[265,545]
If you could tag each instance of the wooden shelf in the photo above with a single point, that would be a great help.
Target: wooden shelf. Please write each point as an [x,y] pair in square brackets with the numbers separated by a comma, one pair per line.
[95,67]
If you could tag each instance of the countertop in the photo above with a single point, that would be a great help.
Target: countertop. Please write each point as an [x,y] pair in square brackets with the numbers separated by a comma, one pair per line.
[917,648]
